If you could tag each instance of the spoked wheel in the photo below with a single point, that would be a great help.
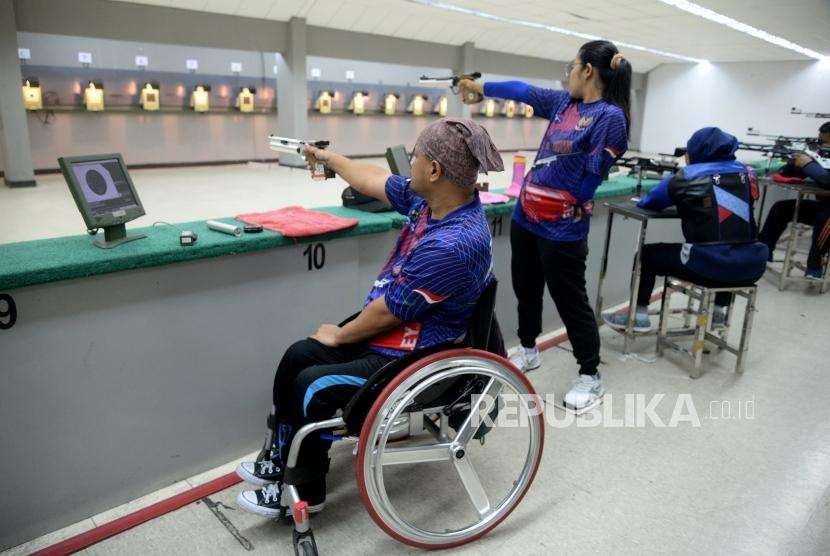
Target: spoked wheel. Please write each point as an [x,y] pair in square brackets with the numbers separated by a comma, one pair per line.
[447,486]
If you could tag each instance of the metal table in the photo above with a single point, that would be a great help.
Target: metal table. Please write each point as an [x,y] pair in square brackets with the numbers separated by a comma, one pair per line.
[628,209]
[801,190]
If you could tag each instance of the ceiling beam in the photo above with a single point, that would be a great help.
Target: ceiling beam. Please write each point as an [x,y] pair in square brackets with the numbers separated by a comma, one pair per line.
[144,23]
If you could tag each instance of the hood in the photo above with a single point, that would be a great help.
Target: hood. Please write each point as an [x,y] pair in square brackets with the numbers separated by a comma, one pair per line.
[710,144]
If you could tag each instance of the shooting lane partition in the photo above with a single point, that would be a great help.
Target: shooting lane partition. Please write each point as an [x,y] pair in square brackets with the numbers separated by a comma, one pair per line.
[158,359]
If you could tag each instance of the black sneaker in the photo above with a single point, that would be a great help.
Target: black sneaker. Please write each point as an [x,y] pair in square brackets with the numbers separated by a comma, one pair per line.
[260,473]
[264,501]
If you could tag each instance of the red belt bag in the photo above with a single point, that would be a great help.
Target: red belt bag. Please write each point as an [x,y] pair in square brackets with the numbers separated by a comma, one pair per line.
[544,204]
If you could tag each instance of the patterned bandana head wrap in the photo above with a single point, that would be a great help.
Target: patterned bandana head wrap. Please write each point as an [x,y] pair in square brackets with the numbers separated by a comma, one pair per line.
[462,147]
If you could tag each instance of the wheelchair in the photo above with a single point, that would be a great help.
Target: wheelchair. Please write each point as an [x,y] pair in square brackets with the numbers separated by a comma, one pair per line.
[444,394]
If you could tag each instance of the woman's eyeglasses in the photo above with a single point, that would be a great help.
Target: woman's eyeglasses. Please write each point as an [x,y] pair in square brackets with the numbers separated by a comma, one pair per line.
[569,68]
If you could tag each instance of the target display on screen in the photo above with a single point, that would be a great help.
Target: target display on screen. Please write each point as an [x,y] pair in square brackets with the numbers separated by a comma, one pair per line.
[104,186]
[102,189]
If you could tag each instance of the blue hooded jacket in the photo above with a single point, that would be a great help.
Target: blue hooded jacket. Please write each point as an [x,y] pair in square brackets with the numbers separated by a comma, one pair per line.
[711,155]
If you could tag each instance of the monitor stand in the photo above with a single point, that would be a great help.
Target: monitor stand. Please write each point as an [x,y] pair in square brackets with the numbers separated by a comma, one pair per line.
[115,236]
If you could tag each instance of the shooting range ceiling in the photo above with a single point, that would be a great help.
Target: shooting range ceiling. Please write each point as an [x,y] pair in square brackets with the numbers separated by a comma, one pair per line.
[648,23]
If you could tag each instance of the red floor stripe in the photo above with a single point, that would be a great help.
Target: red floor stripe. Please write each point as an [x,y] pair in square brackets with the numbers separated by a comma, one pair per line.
[107,530]
[556,340]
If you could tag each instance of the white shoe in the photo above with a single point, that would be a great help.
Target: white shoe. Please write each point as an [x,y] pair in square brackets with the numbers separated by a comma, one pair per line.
[526,359]
[587,389]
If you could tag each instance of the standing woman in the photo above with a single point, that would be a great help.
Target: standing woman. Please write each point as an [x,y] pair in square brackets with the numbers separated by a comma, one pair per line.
[588,131]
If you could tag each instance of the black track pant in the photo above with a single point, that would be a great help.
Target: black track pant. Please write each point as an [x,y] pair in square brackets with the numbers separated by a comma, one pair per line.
[664,259]
[813,213]
[312,382]
[536,261]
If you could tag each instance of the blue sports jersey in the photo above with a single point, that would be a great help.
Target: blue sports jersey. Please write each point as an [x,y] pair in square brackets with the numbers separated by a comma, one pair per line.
[591,136]
[434,275]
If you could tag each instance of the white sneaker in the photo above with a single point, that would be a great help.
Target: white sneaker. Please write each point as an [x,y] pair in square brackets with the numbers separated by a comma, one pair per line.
[526,359]
[587,389]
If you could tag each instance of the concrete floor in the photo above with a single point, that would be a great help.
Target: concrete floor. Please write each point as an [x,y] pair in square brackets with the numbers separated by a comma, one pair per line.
[757,482]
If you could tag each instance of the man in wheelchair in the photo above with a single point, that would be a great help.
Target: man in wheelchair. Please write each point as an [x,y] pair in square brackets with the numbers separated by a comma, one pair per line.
[424,296]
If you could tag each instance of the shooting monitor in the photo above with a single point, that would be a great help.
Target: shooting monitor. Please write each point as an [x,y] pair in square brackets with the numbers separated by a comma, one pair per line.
[398,160]
[105,195]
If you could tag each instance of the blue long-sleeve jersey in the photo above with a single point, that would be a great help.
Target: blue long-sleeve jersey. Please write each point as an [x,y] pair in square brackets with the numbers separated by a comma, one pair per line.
[590,136]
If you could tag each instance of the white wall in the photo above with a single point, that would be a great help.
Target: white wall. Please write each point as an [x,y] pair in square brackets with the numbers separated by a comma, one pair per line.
[682,98]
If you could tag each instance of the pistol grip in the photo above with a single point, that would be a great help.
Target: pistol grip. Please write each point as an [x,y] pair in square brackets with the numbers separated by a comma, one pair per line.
[473,98]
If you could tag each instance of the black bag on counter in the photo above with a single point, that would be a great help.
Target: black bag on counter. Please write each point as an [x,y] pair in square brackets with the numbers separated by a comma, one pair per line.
[354,199]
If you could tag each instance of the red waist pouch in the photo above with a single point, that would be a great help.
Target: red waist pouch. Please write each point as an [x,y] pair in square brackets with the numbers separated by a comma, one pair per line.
[544,204]
[298,221]
[776,177]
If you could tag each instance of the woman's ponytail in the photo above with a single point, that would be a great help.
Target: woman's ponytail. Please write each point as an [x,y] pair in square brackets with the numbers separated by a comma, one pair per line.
[614,72]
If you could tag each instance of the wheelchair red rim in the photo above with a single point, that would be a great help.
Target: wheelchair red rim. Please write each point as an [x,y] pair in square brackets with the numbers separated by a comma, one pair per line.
[373,411]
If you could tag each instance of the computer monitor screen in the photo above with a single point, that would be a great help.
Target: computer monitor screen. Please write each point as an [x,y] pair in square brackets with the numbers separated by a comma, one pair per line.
[398,160]
[104,185]
[102,189]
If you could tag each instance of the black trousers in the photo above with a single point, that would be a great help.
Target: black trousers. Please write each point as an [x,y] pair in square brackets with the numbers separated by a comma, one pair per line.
[536,261]
[312,382]
[813,213]
[664,259]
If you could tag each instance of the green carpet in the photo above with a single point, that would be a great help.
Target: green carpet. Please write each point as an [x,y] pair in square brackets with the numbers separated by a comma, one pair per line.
[64,258]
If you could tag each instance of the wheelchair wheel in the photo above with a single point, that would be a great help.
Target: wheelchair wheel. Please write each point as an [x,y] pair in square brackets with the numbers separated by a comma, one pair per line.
[448,486]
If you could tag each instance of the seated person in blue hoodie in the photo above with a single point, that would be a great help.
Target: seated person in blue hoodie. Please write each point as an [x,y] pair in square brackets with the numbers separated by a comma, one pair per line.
[714,195]
[814,213]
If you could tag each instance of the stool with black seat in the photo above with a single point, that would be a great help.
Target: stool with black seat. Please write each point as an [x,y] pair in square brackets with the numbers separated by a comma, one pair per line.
[451,394]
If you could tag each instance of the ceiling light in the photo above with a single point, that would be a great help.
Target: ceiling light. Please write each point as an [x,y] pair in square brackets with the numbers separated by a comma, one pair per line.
[546,27]
[711,15]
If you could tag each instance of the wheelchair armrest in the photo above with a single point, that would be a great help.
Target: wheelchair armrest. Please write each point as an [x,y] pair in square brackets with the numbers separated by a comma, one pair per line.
[349,319]
[358,407]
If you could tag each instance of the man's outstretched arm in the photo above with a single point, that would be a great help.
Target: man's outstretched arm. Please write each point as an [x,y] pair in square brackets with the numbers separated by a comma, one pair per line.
[366,178]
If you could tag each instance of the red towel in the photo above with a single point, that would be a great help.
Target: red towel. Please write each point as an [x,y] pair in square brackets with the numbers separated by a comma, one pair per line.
[776,177]
[298,221]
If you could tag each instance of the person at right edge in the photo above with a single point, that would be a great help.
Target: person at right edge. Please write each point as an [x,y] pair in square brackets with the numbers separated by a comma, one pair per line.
[815,213]
[588,131]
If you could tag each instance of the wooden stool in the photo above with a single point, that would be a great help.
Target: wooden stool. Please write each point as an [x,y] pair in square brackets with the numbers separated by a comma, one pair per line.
[700,329]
